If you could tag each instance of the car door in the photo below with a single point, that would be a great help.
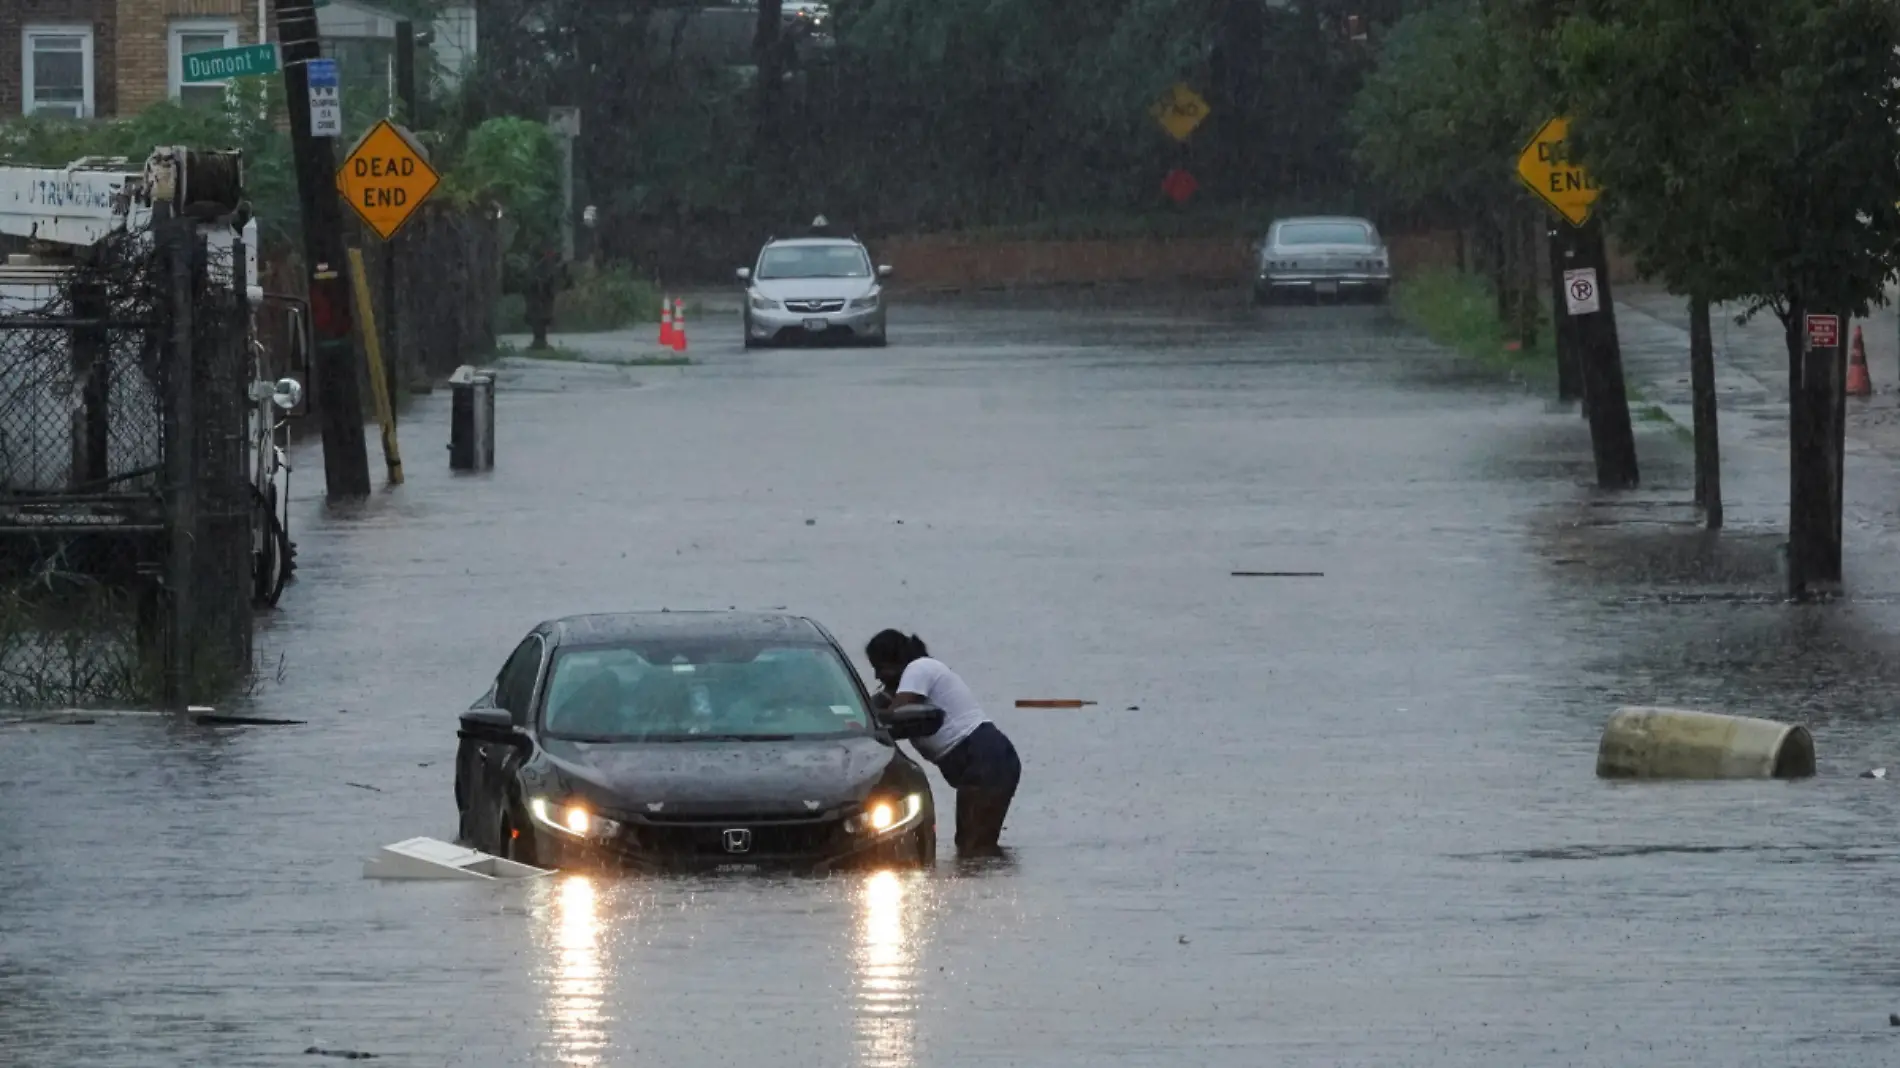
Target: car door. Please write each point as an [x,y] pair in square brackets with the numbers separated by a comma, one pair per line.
[488,766]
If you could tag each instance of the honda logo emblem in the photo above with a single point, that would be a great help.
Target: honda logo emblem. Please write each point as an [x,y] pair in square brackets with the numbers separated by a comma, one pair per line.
[738,840]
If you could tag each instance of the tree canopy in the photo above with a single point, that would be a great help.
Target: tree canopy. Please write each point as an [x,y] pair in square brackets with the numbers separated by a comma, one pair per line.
[1747,148]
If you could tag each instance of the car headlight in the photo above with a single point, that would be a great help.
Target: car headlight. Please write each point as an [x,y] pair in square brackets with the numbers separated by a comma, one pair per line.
[572,819]
[760,303]
[866,302]
[884,815]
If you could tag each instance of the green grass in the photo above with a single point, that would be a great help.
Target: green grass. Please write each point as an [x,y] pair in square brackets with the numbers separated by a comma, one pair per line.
[1460,312]
[601,299]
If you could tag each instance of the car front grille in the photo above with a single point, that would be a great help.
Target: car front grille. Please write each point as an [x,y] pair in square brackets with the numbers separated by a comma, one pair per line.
[705,837]
[814,305]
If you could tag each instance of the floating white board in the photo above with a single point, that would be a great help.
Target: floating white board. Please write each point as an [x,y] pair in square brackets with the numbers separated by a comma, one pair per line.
[430,858]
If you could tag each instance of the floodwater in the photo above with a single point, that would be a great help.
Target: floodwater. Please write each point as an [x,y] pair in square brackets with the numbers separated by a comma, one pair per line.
[1337,820]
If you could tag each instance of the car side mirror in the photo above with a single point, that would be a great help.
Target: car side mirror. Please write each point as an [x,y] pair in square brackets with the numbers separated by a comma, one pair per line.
[488,725]
[884,270]
[911,721]
[744,273]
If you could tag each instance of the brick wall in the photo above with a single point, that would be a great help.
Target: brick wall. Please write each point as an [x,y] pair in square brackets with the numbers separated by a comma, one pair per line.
[145,41]
[16,15]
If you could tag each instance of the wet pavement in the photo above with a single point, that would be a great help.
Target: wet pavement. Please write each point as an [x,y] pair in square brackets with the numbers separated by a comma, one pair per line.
[1347,819]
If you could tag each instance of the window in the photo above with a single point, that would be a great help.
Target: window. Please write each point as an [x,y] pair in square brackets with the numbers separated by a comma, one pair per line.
[1325,233]
[191,36]
[666,691]
[514,687]
[56,71]
[814,261]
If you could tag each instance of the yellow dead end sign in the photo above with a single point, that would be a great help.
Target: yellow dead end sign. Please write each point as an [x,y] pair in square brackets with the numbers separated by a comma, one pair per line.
[386,178]
[1545,168]
[1179,111]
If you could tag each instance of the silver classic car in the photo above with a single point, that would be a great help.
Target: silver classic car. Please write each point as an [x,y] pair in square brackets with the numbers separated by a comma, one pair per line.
[1321,256]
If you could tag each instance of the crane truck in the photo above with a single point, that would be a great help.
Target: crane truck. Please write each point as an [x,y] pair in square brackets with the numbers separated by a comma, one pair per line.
[54,217]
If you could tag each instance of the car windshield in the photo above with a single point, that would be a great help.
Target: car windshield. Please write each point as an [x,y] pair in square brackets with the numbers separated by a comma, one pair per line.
[814,261]
[1325,233]
[672,691]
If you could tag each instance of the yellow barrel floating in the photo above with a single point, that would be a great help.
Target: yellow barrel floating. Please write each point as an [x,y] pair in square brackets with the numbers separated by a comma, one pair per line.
[1677,743]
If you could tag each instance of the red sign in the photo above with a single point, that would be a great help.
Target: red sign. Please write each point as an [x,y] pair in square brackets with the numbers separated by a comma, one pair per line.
[1179,185]
[1824,331]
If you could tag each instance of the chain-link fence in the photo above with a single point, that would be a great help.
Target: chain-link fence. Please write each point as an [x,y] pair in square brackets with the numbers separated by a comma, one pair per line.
[125,509]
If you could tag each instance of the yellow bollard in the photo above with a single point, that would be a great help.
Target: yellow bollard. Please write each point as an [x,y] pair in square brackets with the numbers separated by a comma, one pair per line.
[378,384]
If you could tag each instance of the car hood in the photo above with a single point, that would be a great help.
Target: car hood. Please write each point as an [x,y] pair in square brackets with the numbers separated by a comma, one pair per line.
[814,288]
[684,777]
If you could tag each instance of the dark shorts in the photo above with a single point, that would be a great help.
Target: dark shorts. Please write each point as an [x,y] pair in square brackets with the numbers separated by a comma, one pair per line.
[985,770]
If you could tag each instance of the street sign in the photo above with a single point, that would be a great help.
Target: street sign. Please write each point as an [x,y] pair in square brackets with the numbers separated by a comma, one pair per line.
[1179,111]
[1580,291]
[386,178]
[1543,167]
[1824,331]
[1179,185]
[326,102]
[224,63]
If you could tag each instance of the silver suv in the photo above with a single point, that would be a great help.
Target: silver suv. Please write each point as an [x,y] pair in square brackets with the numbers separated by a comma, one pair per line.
[821,288]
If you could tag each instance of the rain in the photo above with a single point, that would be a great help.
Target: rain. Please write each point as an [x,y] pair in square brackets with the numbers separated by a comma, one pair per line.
[1305,594]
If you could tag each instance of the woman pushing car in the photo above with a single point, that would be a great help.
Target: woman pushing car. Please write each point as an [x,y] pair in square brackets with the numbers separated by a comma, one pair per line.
[975,757]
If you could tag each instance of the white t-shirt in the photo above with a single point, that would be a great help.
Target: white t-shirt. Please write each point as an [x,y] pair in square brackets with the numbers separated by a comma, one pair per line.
[937,684]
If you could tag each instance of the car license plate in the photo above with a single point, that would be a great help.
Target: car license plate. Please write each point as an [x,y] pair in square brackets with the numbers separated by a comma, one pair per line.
[815,325]
[1326,288]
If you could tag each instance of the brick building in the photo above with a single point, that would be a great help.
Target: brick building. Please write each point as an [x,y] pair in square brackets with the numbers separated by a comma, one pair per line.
[103,58]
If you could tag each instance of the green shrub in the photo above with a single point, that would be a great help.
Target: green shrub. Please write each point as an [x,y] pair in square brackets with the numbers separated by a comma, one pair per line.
[1460,311]
[602,298]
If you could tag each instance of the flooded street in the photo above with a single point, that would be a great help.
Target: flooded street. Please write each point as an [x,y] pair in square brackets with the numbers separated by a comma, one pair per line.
[1344,819]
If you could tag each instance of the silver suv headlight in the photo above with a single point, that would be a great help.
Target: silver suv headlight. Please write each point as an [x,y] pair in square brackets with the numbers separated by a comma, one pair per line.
[763,303]
[867,301]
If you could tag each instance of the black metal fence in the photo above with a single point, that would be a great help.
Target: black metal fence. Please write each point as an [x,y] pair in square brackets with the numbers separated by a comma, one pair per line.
[125,506]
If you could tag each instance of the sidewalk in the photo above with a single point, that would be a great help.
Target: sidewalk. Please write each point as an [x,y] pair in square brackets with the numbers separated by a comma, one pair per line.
[1751,371]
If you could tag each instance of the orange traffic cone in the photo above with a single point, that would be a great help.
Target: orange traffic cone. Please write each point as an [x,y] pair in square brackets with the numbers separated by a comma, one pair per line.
[666,324]
[1858,383]
[679,325]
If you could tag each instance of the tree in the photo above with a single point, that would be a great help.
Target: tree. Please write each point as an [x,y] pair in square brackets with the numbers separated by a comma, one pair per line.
[1439,121]
[515,165]
[1746,150]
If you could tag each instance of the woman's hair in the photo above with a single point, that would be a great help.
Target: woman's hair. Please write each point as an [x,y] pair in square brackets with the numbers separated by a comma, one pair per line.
[895,648]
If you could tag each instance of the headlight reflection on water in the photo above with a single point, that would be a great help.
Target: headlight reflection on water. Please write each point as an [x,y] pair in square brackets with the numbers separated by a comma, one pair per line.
[572,974]
[886,965]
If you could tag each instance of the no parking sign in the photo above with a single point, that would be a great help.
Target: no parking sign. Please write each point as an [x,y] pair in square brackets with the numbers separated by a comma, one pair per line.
[1580,291]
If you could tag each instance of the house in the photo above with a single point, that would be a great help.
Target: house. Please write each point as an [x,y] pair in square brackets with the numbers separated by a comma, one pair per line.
[101,58]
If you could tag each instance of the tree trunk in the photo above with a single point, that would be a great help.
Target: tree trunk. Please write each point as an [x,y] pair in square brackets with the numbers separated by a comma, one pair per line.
[1498,236]
[1526,278]
[1708,451]
[1562,329]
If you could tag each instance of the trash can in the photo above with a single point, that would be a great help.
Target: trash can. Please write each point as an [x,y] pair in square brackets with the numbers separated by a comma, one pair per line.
[471,419]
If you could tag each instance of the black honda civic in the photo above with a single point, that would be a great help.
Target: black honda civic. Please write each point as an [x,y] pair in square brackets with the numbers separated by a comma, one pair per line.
[690,739]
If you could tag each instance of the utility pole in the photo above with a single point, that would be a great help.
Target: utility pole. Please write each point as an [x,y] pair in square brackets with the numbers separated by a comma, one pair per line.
[1816,389]
[339,399]
[392,314]
[565,122]
[1612,439]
